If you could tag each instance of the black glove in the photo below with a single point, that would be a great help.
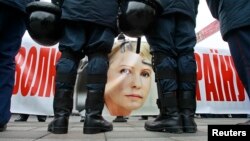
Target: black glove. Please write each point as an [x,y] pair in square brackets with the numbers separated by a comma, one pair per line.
[57,2]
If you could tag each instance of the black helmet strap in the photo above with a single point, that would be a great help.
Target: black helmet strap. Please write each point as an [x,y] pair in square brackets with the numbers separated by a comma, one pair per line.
[138,46]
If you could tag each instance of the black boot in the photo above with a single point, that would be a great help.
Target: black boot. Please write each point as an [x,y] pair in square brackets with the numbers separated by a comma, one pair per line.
[169,119]
[22,118]
[120,119]
[82,119]
[144,118]
[3,127]
[63,104]
[187,107]
[41,118]
[94,122]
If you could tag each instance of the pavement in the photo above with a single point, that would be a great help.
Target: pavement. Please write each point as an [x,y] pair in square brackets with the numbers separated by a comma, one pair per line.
[132,130]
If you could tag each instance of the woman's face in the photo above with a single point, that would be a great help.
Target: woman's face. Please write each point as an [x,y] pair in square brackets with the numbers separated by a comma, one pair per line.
[129,81]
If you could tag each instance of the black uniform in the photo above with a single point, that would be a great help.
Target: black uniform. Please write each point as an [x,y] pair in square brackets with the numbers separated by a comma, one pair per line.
[172,40]
[12,29]
[90,29]
[234,17]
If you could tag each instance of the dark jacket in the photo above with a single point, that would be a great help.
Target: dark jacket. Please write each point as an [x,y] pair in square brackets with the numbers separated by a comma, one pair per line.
[232,14]
[19,4]
[187,7]
[103,12]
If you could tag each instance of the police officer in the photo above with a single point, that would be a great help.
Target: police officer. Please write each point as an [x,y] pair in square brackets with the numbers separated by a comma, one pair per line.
[235,29]
[172,40]
[12,29]
[90,29]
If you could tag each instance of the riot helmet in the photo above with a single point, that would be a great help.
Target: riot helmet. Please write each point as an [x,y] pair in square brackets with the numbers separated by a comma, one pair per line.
[44,24]
[136,16]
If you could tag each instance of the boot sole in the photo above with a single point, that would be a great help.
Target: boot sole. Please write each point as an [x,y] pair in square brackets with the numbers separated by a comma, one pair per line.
[58,130]
[89,130]
[189,130]
[169,130]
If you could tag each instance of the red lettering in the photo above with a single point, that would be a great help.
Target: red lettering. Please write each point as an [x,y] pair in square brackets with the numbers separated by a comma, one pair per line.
[198,76]
[28,74]
[218,76]
[52,73]
[227,78]
[38,81]
[43,62]
[19,62]
[209,79]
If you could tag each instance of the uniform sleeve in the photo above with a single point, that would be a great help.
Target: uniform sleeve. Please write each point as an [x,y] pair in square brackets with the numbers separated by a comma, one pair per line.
[196,6]
[213,6]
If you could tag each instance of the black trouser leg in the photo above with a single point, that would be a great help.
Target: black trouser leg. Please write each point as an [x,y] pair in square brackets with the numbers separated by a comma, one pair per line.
[41,118]
[66,70]
[22,117]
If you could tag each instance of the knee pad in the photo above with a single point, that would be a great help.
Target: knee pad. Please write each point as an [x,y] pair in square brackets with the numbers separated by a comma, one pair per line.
[97,68]
[66,68]
[187,71]
[187,67]
[164,66]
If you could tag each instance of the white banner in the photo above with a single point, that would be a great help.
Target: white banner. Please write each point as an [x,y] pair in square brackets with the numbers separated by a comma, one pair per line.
[35,73]
[219,89]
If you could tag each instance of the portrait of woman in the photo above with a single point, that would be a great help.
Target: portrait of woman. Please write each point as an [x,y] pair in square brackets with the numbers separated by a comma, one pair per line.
[129,78]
